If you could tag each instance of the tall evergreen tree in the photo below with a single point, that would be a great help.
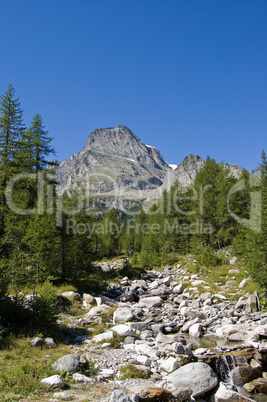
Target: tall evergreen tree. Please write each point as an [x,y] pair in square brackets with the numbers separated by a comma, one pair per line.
[255,246]
[36,145]
[11,130]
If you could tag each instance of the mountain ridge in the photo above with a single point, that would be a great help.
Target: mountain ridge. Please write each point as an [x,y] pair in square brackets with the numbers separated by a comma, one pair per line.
[115,162]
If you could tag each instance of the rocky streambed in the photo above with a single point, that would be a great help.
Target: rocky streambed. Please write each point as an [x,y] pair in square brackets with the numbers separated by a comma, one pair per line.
[191,343]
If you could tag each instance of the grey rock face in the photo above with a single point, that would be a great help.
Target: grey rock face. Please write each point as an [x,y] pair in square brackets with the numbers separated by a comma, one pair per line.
[113,160]
[197,376]
[187,171]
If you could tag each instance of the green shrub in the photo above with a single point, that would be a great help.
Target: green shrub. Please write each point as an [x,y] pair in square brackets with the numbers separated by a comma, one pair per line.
[209,258]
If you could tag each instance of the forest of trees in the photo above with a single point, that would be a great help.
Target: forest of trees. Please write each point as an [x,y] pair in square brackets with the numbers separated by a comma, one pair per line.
[200,220]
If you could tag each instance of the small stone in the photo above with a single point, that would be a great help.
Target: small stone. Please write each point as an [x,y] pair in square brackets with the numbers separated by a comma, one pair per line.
[243,283]
[88,300]
[178,289]
[261,330]
[50,342]
[81,378]
[54,381]
[37,342]
[119,396]
[255,364]
[169,365]
[63,396]
[72,296]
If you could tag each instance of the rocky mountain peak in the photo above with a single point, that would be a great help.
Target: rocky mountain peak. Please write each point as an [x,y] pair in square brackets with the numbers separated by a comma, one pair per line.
[114,161]
[192,158]
[116,141]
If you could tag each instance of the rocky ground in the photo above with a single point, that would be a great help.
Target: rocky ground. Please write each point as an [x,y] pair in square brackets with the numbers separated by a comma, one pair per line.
[189,341]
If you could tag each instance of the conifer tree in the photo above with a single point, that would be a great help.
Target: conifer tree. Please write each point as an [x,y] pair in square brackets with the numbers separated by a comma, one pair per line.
[11,130]
[36,145]
[255,245]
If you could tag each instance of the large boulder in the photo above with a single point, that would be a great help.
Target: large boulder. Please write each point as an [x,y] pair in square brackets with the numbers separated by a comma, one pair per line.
[196,376]
[105,336]
[50,342]
[244,374]
[72,296]
[123,330]
[145,349]
[153,301]
[122,314]
[196,330]
[98,310]
[70,363]
[252,303]
[163,340]
[167,280]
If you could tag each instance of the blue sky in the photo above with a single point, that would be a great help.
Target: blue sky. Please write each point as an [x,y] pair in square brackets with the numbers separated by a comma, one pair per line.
[186,76]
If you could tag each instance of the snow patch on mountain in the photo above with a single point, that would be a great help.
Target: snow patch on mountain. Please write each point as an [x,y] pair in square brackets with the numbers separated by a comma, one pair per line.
[172,166]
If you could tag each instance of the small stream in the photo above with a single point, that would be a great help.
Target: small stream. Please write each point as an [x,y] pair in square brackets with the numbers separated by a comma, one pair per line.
[226,362]
[226,365]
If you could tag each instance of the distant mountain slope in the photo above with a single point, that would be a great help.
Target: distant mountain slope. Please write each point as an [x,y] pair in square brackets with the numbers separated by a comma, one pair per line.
[115,162]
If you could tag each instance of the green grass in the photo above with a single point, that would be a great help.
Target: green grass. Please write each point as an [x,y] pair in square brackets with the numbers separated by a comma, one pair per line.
[130,371]
[22,368]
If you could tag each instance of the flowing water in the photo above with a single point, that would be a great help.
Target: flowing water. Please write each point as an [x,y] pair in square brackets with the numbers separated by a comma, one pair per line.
[225,367]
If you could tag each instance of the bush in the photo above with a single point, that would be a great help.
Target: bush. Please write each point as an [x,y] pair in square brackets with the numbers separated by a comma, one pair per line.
[45,307]
[209,258]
